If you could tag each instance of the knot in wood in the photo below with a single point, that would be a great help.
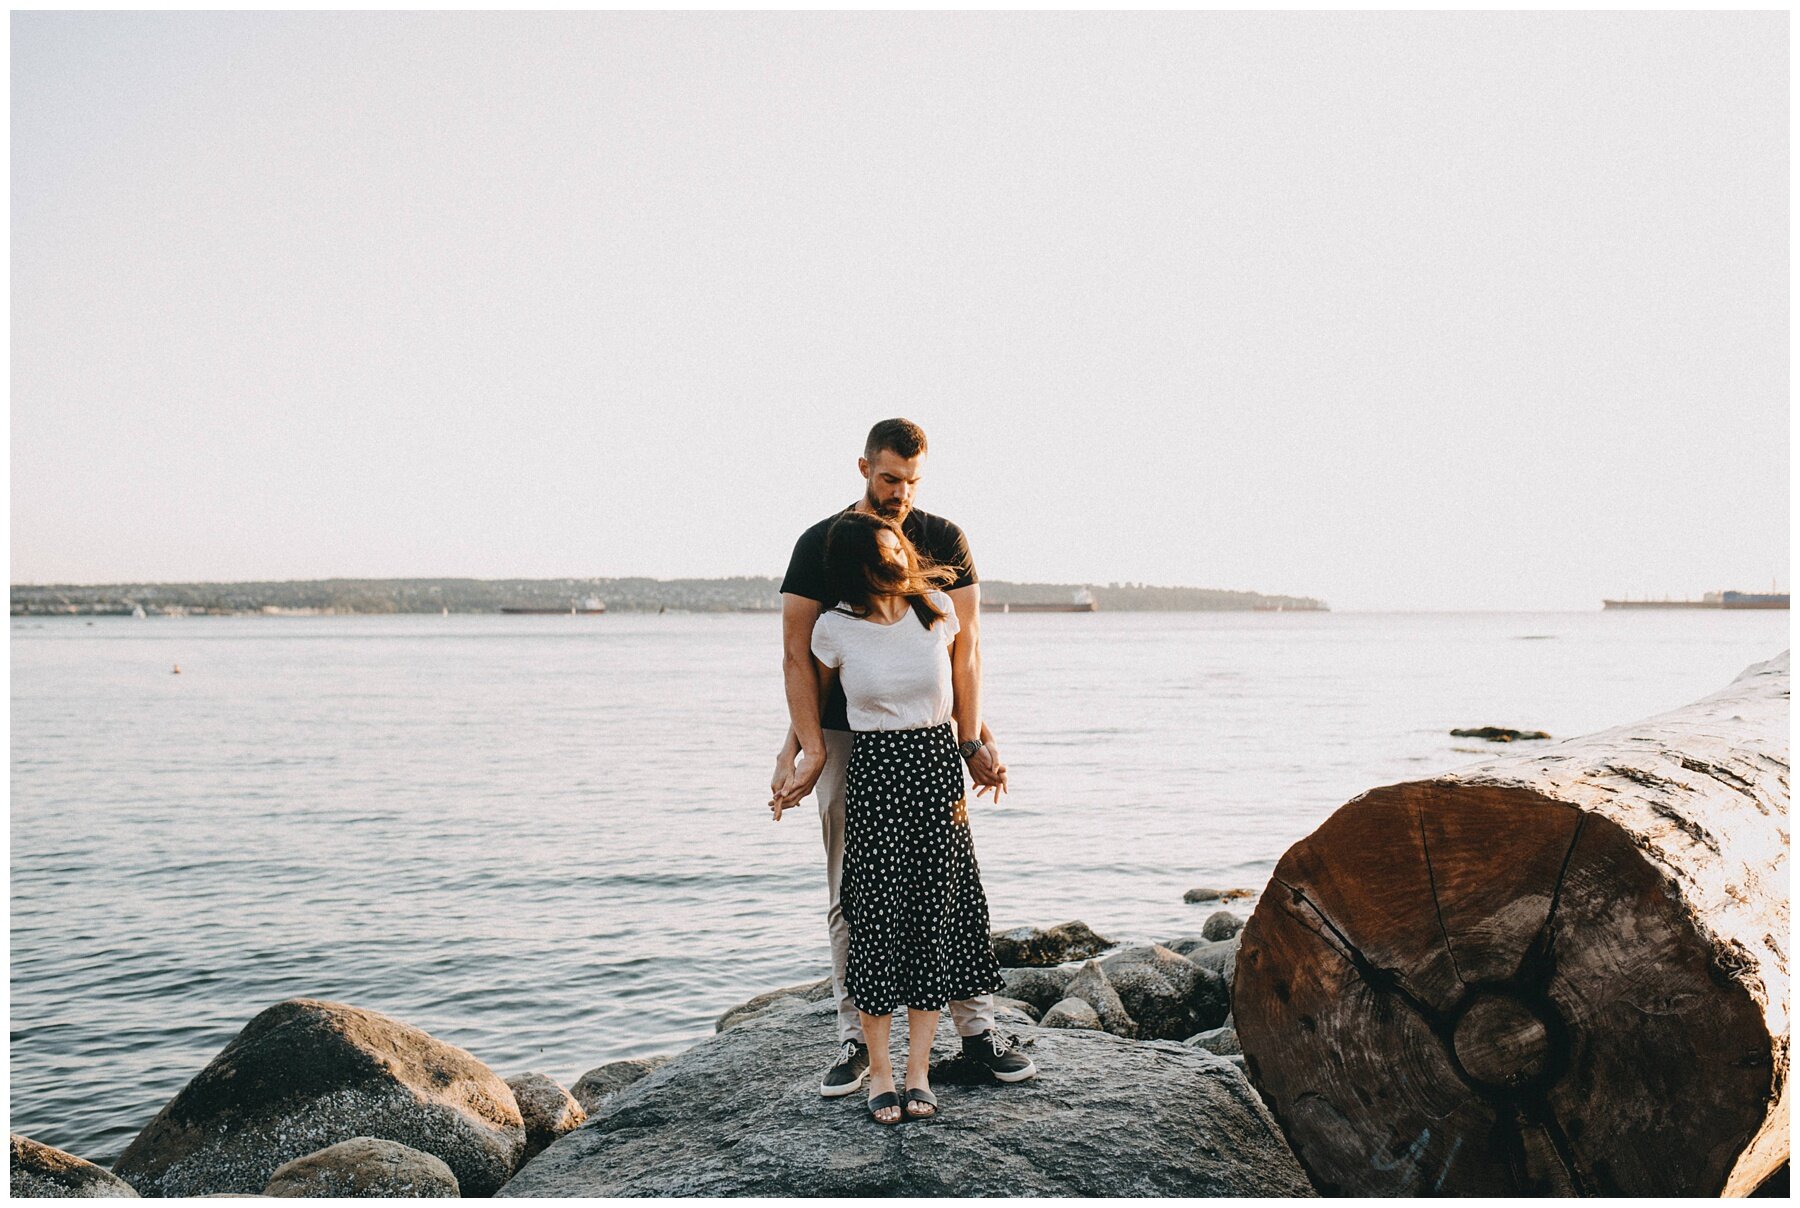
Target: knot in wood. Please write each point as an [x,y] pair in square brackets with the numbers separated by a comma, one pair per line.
[1502,1042]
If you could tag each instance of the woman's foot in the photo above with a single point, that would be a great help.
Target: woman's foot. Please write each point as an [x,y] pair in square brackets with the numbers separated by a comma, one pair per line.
[921,1104]
[884,1104]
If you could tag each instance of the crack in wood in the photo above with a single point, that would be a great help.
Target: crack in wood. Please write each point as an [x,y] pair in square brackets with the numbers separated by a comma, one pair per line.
[1685,825]
[1508,1138]
[1545,1119]
[1377,978]
[1648,779]
[1539,956]
[1726,777]
[1326,940]
[1436,905]
[1535,967]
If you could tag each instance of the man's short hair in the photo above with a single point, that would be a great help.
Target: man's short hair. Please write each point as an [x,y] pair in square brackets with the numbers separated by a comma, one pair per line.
[900,436]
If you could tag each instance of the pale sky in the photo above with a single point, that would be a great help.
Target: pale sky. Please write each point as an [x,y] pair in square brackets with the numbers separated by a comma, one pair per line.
[1400,310]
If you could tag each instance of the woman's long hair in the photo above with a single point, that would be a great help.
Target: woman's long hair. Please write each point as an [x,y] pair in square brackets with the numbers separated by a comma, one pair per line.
[856,570]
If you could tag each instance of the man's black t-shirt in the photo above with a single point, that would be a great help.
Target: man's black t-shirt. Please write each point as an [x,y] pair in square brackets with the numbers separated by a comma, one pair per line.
[935,538]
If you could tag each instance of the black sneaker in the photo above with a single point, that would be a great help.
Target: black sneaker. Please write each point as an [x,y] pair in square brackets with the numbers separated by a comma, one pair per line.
[1000,1055]
[845,1077]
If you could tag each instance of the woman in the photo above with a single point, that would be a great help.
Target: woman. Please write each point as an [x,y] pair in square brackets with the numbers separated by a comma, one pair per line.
[911,888]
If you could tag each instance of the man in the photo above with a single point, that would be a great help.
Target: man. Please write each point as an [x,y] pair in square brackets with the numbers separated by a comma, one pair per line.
[817,749]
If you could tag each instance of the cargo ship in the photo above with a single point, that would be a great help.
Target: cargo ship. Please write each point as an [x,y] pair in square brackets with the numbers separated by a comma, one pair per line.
[1712,599]
[1709,601]
[1088,606]
[592,606]
[1080,601]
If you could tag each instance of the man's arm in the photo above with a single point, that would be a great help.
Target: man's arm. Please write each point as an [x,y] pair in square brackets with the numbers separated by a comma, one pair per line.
[805,738]
[804,777]
[965,681]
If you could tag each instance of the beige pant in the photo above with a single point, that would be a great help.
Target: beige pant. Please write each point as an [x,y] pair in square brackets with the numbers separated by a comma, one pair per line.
[971,1016]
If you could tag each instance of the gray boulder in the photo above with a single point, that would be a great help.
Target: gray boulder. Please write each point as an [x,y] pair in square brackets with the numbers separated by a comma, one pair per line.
[1166,994]
[741,1115]
[807,992]
[1212,999]
[365,1168]
[1039,987]
[1221,1040]
[1220,956]
[42,1171]
[1091,985]
[306,1074]
[1072,1013]
[1042,946]
[604,1081]
[1221,925]
[549,1111]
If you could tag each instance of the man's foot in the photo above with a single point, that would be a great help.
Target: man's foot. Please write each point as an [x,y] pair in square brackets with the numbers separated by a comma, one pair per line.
[845,1077]
[1000,1055]
[884,1104]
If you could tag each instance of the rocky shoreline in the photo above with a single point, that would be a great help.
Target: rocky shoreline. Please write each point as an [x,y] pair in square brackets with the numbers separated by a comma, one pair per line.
[1141,1091]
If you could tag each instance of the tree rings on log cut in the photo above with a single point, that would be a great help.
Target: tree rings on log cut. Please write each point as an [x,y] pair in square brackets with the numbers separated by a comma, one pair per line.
[1489,992]
[1502,1042]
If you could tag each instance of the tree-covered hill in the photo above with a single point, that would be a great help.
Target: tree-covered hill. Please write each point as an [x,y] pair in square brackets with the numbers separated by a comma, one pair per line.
[623,595]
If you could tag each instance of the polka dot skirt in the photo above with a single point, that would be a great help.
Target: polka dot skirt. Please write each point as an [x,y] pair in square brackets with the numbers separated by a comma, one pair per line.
[912,891]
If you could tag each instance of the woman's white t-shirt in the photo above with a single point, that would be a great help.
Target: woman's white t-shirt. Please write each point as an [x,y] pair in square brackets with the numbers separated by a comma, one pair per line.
[895,677]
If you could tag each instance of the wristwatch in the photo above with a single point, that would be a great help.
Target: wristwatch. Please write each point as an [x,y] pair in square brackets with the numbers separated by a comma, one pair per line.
[968,749]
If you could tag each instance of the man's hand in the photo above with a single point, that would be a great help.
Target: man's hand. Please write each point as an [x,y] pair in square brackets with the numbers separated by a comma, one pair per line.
[784,772]
[986,770]
[802,776]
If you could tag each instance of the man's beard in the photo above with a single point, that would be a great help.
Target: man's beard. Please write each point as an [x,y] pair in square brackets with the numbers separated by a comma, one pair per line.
[887,511]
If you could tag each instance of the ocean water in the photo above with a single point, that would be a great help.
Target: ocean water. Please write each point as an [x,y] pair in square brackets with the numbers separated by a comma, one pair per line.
[545,838]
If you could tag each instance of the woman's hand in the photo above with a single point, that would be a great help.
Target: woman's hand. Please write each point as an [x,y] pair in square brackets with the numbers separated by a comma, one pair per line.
[802,777]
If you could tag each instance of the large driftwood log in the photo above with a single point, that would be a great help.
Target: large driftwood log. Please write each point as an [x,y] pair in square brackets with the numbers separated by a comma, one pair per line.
[1562,972]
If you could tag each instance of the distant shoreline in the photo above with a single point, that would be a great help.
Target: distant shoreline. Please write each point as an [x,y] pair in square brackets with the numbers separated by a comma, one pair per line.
[333,597]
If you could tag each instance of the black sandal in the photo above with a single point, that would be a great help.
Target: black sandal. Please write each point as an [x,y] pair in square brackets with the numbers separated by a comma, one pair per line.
[918,1094]
[882,1102]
